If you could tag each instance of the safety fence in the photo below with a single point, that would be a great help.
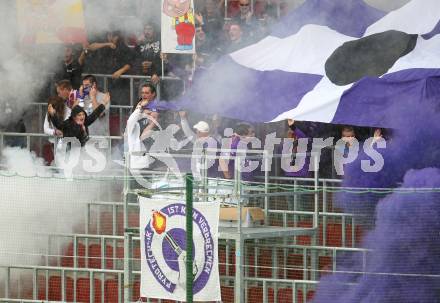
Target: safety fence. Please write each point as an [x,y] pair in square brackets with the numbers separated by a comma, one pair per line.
[305,236]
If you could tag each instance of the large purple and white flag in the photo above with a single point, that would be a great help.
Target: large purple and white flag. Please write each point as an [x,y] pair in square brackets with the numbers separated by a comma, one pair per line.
[339,61]
[163,250]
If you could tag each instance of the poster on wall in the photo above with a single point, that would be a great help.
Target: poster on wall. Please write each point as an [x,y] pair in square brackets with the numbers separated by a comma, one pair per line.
[178,27]
[163,250]
[51,21]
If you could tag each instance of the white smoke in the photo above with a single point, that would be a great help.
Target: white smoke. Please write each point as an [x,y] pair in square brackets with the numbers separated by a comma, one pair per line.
[24,70]
[36,203]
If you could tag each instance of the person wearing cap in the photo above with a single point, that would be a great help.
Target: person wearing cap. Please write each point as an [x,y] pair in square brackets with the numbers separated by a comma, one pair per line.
[78,122]
[202,129]
[201,139]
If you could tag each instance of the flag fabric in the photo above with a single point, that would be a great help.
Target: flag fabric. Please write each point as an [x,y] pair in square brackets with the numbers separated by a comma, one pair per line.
[42,22]
[163,250]
[178,26]
[339,61]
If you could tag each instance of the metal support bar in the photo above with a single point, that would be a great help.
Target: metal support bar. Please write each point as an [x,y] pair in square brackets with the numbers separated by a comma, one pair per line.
[128,281]
[189,238]
[314,253]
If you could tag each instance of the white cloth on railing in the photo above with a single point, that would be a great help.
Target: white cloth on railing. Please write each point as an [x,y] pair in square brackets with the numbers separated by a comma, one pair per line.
[48,127]
[101,127]
[133,133]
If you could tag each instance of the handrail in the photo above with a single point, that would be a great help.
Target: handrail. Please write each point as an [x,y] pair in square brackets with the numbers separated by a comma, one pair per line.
[132,78]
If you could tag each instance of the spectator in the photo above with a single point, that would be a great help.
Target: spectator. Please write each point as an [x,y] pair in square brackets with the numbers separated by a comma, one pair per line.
[66,92]
[117,60]
[206,52]
[236,40]
[246,17]
[273,9]
[201,140]
[145,113]
[348,135]
[175,65]
[148,48]
[90,98]
[202,128]
[62,111]
[78,122]
[284,8]
[118,56]
[243,132]
[11,124]
[295,133]
[211,21]
[72,67]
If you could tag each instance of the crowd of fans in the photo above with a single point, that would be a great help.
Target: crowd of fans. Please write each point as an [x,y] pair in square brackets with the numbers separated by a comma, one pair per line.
[119,52]
[80,109]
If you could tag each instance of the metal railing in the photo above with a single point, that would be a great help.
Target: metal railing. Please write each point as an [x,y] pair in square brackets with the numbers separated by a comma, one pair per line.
[134,91]
[121,111]
[241,191]
[25,140]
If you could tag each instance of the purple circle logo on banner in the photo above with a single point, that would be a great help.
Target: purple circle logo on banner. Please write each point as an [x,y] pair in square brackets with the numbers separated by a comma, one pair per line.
[173,247]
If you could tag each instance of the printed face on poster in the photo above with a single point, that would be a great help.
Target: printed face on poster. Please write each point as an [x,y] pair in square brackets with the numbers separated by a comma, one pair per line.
[163,250]
[178,27]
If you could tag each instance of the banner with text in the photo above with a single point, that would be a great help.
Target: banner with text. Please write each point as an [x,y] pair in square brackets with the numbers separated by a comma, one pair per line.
[163,248]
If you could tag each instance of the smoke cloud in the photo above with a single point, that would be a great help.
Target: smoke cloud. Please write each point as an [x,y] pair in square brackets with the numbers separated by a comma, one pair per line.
[404,262]
[36,202]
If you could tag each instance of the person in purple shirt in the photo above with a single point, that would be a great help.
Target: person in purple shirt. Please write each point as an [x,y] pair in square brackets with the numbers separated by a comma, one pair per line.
[244,133]
[295,133]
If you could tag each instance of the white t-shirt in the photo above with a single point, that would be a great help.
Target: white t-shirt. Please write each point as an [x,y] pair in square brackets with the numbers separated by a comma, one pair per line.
[49,129]
[101,125]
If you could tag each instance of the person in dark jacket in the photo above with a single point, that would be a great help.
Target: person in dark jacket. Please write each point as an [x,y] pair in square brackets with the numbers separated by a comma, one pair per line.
[78,123]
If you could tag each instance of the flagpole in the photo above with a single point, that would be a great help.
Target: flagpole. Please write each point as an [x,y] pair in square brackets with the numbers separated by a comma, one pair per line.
[189,238]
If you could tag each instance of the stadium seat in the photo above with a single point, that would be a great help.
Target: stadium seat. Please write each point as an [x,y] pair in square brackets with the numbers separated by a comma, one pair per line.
[95,258]
[106,223]
[136,291]
[294,265]
[111,291]
[114,121]
[222,260]
[83,290]
[275,222]
[55,289]
[255,294]
[48,155]
[358,233]
[310,295]
[231,264]
[67,260]
[227,293]
[304,240]
[265,263]
[325,264]
[334,235]
[41,288]
[250,262]
[137,252]
[133,221]
[284,295]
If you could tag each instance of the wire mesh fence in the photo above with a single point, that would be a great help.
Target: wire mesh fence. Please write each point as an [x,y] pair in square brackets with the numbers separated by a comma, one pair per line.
[63,240]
